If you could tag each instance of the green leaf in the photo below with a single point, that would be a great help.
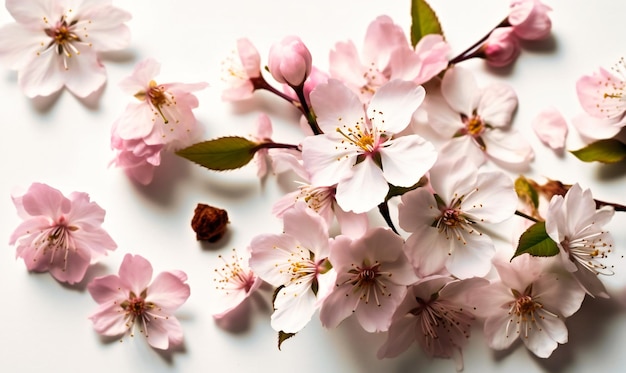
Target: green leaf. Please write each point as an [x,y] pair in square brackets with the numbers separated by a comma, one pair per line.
[536,242]
[224,153]
[424,21]
[526,192]
[282,337]
[605,151]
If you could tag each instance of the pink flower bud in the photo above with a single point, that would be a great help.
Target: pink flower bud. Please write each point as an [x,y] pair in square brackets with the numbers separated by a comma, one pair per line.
[502,47]
[290,61]
[529,19]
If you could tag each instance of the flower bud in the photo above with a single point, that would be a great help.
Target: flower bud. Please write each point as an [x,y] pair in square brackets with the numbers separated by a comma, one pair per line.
[290,61]
[529,19]
[502,47]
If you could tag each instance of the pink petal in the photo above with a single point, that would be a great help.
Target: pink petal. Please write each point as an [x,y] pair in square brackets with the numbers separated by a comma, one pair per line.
[250,58]
[508,146]
[308,228]
[393,105]
[135,273]
[104,26]
[18,45]
[406,159]
[597,129]
[336,106]
[142,74]
[381,39]
[44,200]
[601,95]
[42,75]
[30,226]
[85,74]
[351,195]
[31,12]
[540,340]
[106,289]
[345,64]
[164,333]
[136,121]
[168,292]
[551,128]
[74,268]
[459,88]
[496,104]
[109,320]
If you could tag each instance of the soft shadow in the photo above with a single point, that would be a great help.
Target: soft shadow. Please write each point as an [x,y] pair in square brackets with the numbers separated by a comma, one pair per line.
[547,45]
[123,56]
[94,270]
[239,320]
[612,171]
[92,102]
[172,169]
[504,71]
[232,191]
[168,355]
[221,243]
[499,355]
[43,104]
[265,102]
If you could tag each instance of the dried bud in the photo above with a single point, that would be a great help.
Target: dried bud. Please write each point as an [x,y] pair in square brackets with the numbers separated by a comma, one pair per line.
[209,222]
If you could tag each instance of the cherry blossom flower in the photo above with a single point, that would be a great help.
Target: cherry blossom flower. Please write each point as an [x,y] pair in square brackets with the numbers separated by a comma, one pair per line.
[477,119]
[387,55]
[296,262]
[234,283]
[530,19]
[502,47]
[437,313]
[372,278]
[55,43]
[601,96]
[290,61]
[358,151]
[551,128]
[135,157]
[129,301]
[239,71]
[163,114]
[530,304]
[445,223]
[576,226]
[61,235]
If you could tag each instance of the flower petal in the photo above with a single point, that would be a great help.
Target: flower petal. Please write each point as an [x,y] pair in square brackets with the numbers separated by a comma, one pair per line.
[135,273]
[406,159]
[351,195]
[168,292]
[336,106]
[393,105]
[460,90]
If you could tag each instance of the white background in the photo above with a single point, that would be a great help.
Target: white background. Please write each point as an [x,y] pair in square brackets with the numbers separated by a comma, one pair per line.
[64,142]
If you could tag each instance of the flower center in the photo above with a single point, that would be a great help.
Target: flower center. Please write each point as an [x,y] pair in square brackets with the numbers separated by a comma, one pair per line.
[159,97]
[475,126]
[374,79]
[450,217]
[233,276]
[368,281]
[588,250]
[136,306]
[63,37]
[361,137]
[525,305]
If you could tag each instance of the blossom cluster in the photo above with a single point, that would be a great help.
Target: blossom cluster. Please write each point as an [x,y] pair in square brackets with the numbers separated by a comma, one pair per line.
[395,126]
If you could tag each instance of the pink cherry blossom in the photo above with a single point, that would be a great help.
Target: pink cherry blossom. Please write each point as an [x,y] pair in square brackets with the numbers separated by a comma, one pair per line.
[135,157]
[530,304]
[477,120]
[163,114]
[502,47]
[55,43]
[574,223]
[372,278]
[446,224]
[359,151]
[551,128]
[593,128]
[234,283]
[530,19]
[386,55]
[239,71]
[290,61]
[295,262]
[59,234]
[437,313]
[128,302]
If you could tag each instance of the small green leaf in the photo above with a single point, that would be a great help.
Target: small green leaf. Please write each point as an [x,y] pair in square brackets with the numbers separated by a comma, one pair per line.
[536,242]
[605,151]
[224,153]
[282,337]
[424,21]
[526,192]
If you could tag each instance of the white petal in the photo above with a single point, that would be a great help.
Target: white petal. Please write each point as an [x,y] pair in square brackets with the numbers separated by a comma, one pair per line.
[494,199]
[496,104]
[459,88]
[336,106]
[471,256]
[508,147]
[597,128]
[42,75]
[464,146]
[18,44]
[406,159]
[364,190]
[393,105]
[326,160]
[294,306]
[539,340]
[426,250]
[85,74]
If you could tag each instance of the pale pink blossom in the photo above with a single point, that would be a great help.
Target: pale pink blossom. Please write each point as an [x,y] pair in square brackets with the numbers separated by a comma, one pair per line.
[530,19]
[61,235]
[359,151]
[315,78]
[601,95]
[372,279]
[530,304]
[386,55]
[135,157]
[163,114]
[290,61]
[239,71]
[502,47]
[551,128]
[477,120]
[437,312]
[234,283]
[574,223]
[128,302]
[296,263]
[446,224]
[55,43]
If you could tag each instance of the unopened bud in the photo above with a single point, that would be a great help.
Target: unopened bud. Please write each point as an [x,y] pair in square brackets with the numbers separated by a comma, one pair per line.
[290,61]
[502,47]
